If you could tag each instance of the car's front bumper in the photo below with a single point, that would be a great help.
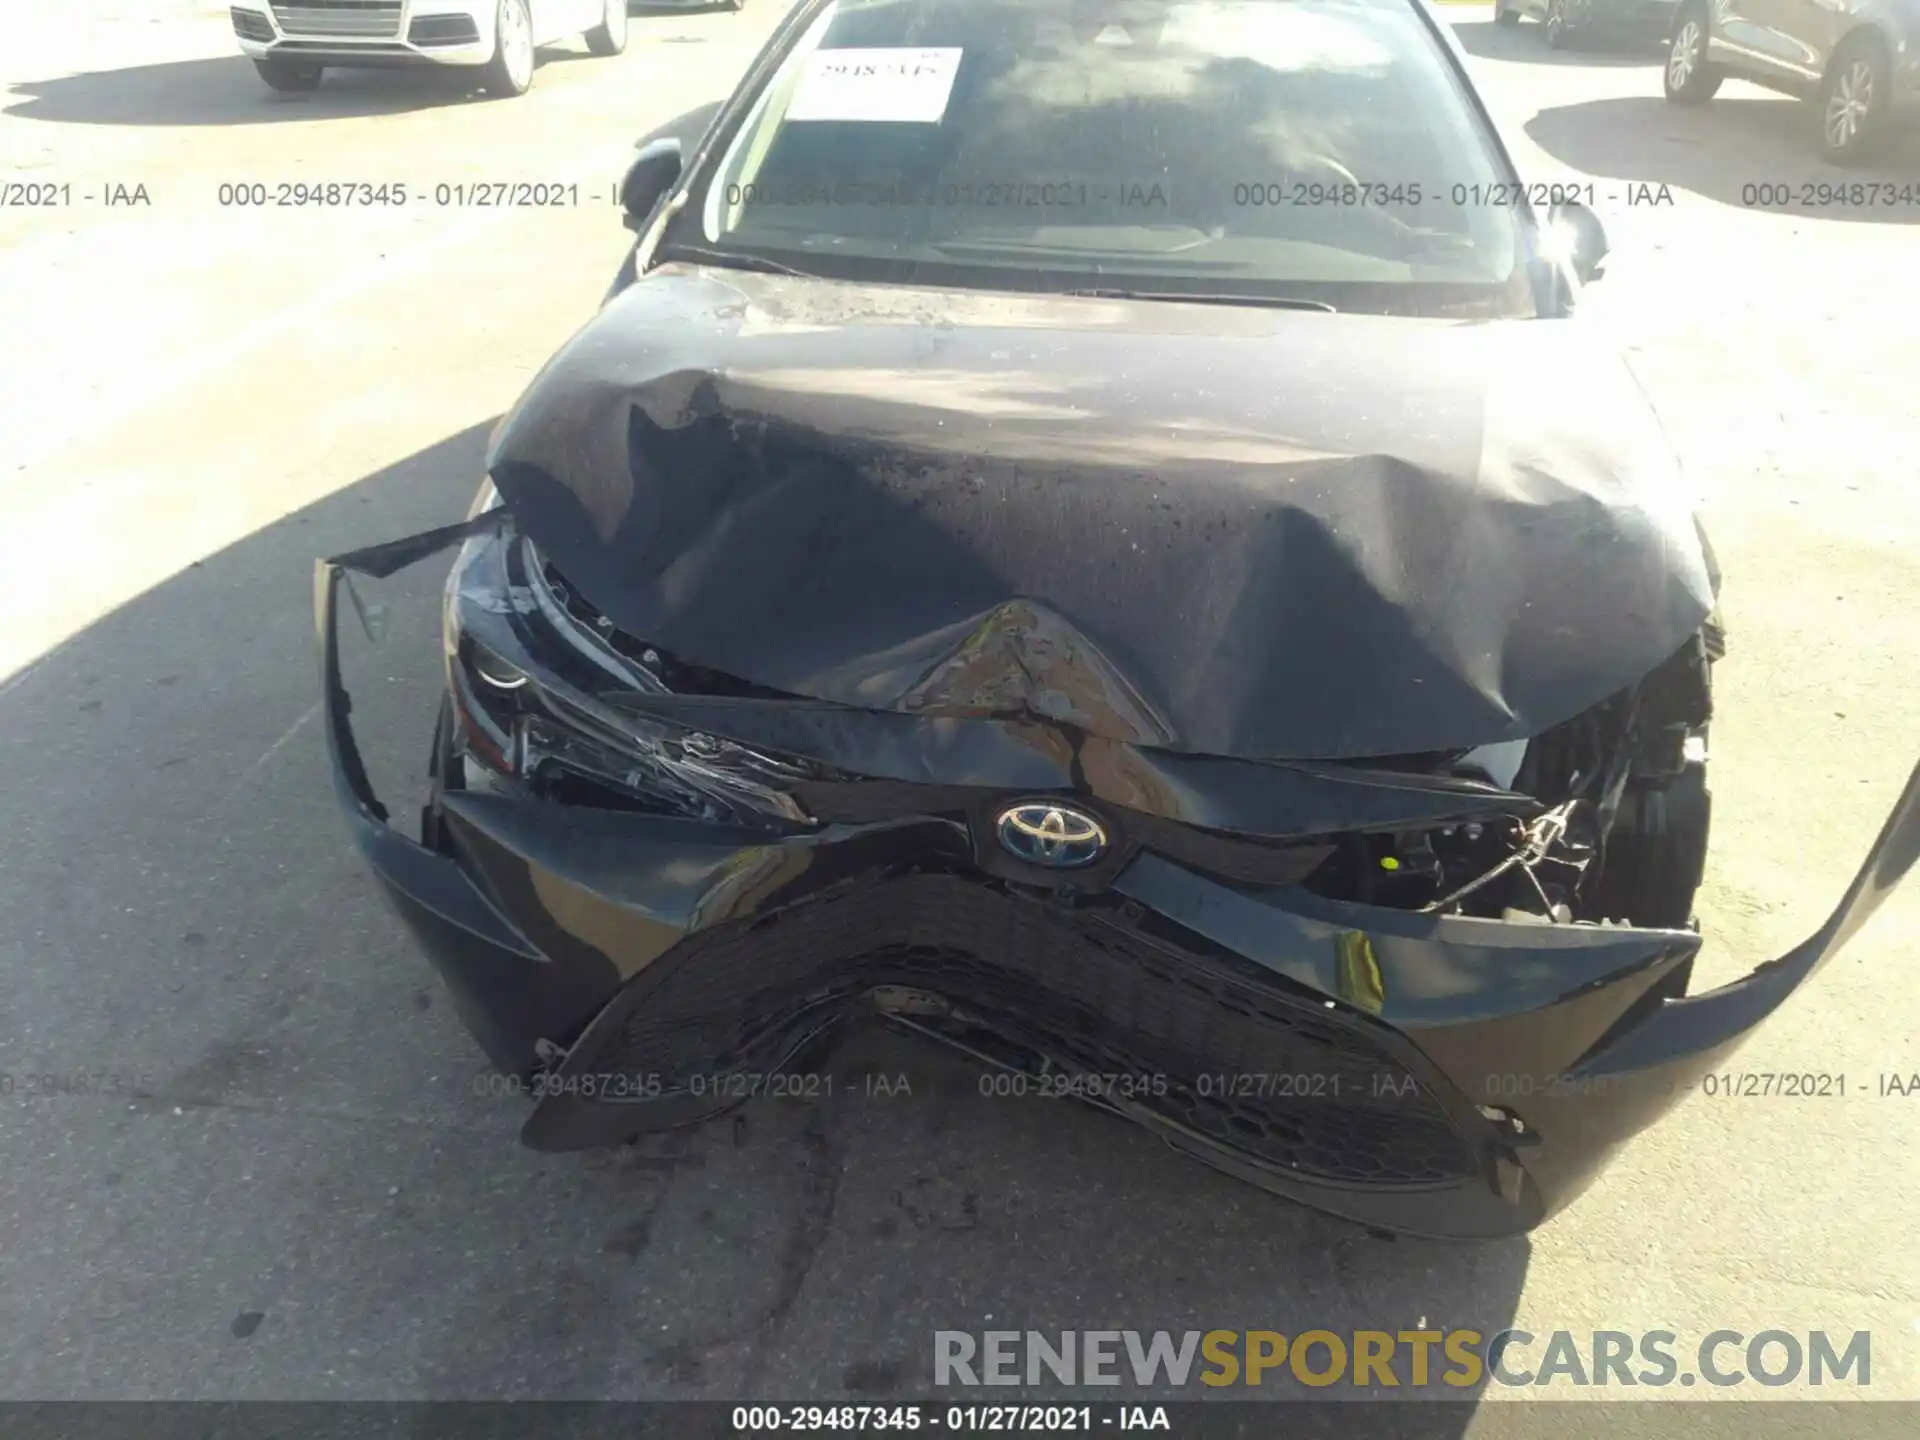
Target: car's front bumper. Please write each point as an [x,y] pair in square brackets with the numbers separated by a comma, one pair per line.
[1434,1075]
[371,35]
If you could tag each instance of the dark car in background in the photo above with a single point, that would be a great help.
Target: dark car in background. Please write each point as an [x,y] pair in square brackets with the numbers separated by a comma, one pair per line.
[1569,22]
[1087,528]
[1858,61]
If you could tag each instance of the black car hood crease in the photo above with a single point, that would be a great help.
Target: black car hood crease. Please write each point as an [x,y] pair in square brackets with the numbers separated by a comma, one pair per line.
[1254,533]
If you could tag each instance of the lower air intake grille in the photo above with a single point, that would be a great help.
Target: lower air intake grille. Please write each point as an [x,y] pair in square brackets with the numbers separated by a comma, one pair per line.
[1326,1101]
[252,25]
[368,19]
[443,30]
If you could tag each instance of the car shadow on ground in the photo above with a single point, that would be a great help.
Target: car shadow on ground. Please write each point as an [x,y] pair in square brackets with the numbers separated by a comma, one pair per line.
[1755,153]
[1526,43]
[224,90]
[380,1233]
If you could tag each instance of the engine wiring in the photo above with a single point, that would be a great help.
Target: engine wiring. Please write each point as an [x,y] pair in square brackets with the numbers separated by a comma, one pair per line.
[1535,840]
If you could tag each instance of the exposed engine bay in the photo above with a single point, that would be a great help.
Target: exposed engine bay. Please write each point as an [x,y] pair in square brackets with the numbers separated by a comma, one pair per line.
[1621,836]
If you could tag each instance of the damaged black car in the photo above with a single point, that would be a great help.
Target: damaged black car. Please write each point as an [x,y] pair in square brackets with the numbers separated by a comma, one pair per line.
[1088,528]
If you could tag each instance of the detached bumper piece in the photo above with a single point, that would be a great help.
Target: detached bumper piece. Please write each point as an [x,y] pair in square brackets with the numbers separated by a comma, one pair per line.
[1439,1075]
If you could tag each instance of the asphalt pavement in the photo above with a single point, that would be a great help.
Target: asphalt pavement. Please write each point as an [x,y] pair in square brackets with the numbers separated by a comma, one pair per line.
[303,1189]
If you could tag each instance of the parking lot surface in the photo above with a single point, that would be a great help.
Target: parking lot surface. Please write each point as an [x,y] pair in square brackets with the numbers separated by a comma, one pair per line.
[313,1196]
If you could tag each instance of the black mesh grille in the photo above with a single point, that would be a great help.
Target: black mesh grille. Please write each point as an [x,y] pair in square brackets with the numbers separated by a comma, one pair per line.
[251,25]
[443,30]
[1324,1099]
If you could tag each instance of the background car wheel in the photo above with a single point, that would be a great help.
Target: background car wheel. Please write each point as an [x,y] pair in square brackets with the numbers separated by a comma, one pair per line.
[1557,34]
[1688,79]
[609,37]
[288,78]
[1502,15]
[510,72]
[1853,102]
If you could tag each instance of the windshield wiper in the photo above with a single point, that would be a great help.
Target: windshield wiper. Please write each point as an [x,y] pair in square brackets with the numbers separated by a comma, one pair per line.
[1272,302]
[733,260]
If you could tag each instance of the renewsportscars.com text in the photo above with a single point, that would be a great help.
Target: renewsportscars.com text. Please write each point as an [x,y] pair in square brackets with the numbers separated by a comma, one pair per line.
[1394,1359]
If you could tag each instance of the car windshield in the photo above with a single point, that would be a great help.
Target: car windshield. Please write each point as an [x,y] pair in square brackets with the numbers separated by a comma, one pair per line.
[1319,151]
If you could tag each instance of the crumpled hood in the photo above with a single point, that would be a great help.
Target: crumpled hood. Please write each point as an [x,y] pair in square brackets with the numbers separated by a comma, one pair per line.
[1244,532]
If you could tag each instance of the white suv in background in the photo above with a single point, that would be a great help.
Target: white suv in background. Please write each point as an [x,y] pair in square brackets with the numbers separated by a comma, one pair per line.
[292,44]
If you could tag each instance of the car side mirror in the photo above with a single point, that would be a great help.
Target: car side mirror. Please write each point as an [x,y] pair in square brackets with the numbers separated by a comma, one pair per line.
[1577,236]
[652,175]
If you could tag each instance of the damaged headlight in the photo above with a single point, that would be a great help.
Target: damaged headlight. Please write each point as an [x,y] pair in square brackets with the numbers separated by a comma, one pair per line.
[534,691]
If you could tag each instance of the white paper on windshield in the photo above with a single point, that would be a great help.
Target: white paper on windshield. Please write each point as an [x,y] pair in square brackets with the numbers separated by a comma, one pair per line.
[898,86]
